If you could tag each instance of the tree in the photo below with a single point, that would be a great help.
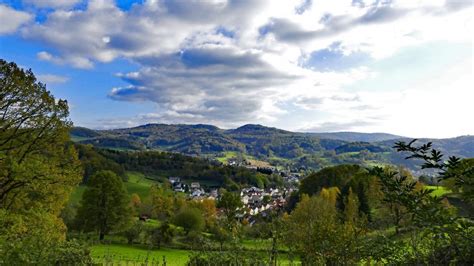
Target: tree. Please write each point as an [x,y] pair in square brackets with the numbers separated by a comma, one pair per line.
[190,219]
[133,233]
[313,230]
[335,176]
[38,168]
[230,202]
[220,233]
[437,235]
[163,234]
[104,205]
[162,202]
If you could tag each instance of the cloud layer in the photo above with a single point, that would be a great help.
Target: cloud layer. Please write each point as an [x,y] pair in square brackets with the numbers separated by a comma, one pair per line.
[12,19]
[229,62]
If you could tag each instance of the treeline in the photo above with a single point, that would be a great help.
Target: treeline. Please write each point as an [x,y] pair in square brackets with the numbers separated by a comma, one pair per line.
[161,165]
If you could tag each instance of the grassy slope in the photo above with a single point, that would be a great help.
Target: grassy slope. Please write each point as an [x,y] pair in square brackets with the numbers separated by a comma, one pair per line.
[139,184]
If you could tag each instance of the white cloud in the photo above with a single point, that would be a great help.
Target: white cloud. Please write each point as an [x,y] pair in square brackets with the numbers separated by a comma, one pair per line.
[52,79]
[75,61]
[12,19]
[228,62]
[56,4]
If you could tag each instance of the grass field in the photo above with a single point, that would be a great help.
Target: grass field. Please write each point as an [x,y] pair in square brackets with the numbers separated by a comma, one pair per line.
[227,156]
[438,190]
[123,254]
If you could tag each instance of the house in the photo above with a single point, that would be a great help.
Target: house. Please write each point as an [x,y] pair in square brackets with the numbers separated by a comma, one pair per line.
[174,179]
[195,185]
[255,199]
[214,193]
[197,193]
[178,187]
[245,199]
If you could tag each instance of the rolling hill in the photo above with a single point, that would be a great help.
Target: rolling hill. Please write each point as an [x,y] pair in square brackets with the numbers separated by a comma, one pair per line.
[277,146]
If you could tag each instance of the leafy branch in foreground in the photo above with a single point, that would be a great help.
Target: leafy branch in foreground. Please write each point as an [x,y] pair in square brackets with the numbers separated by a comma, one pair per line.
[461,171]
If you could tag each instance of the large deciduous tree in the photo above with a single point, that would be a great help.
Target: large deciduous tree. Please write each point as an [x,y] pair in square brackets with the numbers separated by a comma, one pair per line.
[38,168]
[104,205]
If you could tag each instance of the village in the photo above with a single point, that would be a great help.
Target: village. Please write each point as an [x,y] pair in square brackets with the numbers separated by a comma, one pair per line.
[255,200]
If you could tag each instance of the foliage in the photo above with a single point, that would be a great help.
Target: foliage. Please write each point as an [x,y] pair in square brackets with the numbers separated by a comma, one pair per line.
[105,204]
[230,204]
[162,202]
[460,172]
[335,176]
[37,168]
[36,237]
[161,235]
[437,235]
[190,219]
[133,232]
[92,162]
[314,232]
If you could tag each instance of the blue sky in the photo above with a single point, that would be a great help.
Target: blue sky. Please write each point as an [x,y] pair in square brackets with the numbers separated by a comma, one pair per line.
[369,66]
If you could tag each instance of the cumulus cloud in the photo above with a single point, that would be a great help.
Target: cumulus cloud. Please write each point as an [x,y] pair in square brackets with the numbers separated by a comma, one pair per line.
[12,19]
[221,84]
[225,60]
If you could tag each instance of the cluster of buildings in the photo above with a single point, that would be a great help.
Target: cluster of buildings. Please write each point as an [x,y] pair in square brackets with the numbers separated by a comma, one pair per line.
[194,190]
[256,200]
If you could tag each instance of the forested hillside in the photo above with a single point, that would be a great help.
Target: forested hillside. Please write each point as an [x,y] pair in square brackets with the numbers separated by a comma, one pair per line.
[279,147]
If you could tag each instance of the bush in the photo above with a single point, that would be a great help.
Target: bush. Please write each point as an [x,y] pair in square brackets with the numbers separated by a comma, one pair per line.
[190,219]
[162,235]
[133,233]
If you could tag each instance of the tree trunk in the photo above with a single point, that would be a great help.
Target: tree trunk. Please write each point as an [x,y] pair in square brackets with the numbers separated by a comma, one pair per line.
[101,235]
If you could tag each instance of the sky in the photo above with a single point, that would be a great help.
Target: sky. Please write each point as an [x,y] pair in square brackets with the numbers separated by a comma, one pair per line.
[401,67]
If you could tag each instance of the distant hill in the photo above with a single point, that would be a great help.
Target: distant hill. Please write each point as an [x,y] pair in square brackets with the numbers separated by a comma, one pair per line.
[279,147]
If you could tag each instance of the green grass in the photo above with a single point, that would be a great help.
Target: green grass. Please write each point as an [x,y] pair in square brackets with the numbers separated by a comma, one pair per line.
[139,184]
[227,156]
[439,190]
[122,254]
